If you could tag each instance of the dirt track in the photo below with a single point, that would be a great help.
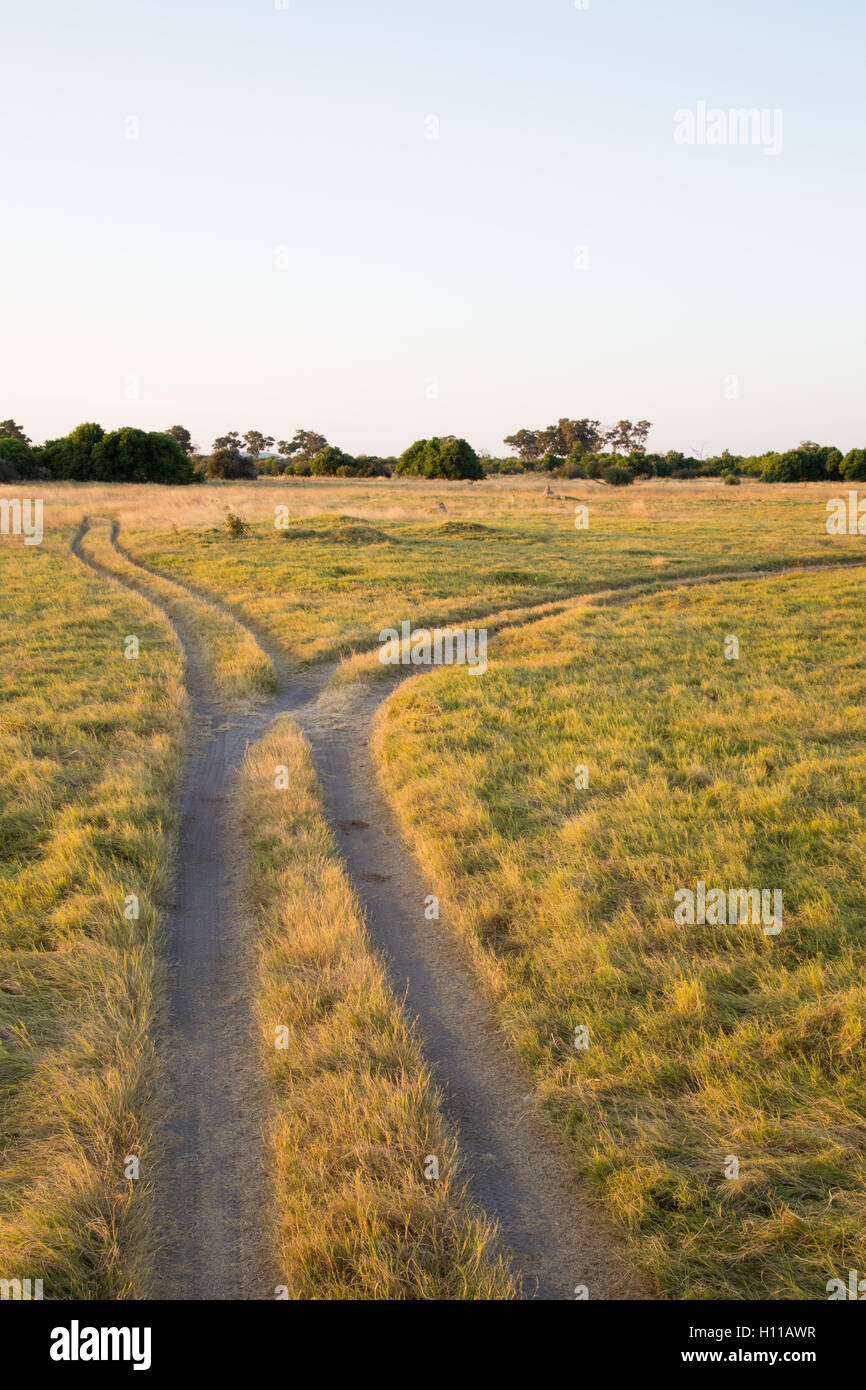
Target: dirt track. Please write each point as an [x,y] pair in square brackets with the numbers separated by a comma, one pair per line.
[212,1189]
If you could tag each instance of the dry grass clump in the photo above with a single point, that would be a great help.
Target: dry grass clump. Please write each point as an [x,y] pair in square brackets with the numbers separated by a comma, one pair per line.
[89,750]
[354,1114]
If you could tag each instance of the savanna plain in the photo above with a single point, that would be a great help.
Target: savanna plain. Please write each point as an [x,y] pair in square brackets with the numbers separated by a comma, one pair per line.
[702,1082]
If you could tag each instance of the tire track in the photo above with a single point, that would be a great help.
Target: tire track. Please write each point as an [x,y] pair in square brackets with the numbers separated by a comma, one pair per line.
[212,1185]
[212,1188]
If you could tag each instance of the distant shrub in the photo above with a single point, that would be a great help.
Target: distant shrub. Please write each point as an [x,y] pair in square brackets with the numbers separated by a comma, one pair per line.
[617,476]
[139,456]
[127,455]
[328,462]
[853,466]
[731,480]
[572,468]
[234,525]
[229,463]
[550,462]
[506,466]
[14,460]
[448,457]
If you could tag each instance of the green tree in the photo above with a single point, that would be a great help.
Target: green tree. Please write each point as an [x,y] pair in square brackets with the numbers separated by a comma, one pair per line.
[525,443]
[853,466]
[183,437]
[626,438]
[229,463]
[9,430]
[15,459]
[139,456]
[258,443]
[447,457]
[232,440]
[331,461]
[70,458]
[304,445]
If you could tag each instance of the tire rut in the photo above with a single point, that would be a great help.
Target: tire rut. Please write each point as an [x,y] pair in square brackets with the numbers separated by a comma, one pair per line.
[212,1187]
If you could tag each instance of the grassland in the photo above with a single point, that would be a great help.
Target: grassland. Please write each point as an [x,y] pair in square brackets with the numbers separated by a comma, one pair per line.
[237,669]
[353,1111]
[705,1041]
[89,749]
[362,557]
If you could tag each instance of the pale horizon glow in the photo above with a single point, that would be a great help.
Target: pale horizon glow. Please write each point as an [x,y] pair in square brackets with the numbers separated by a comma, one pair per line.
[284,245]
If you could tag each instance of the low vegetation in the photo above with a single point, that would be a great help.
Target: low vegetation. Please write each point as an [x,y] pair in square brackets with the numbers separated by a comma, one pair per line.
[705,1043]
[325,585]
[237,666]
[88,757]
[354,1114]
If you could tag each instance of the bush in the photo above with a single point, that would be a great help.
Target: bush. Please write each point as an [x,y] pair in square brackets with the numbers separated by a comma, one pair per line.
[138,456]
[616,475]
[70,457]
[506,467]
[14,460]
[448,457]
[88,454]
[853,466]
[551,462]
[234,525]
[572,468]
[229,463]
[809,463]
[328,462]
[371,466]
[731,480]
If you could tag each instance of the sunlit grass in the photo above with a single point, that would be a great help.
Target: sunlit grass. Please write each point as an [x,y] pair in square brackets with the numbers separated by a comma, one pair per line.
[89,744]
[353,1111]
[329,584]
[705,1041]
[238,670]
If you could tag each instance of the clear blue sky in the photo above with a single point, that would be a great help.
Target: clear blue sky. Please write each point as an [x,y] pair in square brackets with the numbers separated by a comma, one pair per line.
[406,258]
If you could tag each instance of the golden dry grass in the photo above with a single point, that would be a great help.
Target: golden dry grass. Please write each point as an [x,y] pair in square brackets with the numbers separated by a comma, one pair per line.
[354,1113]
[236,667]
[89,746]
[706,1041]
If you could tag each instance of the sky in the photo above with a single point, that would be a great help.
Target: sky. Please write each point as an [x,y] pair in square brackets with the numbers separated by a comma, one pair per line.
[388,220]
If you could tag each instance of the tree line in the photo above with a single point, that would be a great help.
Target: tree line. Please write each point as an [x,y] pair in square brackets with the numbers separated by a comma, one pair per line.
[128,455]
[584,448]
[618,454]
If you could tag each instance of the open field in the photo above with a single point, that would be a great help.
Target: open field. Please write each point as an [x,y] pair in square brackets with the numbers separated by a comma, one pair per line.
[235,665]
[328,584]
[89,749]
[351,1111]
[705,1042]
